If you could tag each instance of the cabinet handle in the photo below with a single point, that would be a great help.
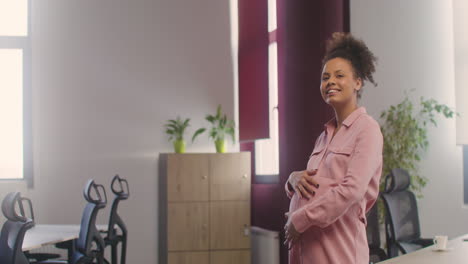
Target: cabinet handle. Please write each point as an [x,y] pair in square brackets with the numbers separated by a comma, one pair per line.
[244,176]
[204,177]
[246,230]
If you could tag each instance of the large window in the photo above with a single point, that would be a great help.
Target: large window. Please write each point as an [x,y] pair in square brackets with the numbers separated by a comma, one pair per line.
[258,86]
[15,106]
[267,150]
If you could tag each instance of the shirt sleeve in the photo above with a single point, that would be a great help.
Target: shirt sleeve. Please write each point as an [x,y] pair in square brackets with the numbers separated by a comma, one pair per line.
[365,163]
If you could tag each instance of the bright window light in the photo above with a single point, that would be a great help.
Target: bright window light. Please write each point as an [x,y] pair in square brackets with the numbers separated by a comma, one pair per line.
[267,150]
[13,17]
[271,15]
[11,113]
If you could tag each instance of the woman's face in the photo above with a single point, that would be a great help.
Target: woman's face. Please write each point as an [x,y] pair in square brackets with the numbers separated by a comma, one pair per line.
[339,86]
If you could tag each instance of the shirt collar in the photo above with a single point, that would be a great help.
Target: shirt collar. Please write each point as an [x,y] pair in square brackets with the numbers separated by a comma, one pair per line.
[349,120]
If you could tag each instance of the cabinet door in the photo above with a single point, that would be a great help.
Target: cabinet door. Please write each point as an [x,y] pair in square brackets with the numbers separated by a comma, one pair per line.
[230,257]
[188,257]
[230,225]
[230,177]
[188,226]
[187,177]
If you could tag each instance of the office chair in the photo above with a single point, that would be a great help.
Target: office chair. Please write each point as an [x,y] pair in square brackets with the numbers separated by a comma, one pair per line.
[402,220]
[85,253]
[13,231]
[89,247]
[33,256]
[120,188]
[376,253]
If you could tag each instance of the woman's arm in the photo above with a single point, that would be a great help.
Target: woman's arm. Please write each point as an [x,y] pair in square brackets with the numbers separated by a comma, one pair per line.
[365,163]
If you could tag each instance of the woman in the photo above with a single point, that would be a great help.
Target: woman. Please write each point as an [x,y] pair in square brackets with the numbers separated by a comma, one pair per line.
[329,200]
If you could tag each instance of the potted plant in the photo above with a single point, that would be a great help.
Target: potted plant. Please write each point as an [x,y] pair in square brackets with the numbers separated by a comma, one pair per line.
[220,127]
[405,137]
[175,128]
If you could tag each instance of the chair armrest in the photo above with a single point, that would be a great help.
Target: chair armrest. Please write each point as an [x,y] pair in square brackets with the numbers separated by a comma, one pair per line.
[52,262]
[425,242]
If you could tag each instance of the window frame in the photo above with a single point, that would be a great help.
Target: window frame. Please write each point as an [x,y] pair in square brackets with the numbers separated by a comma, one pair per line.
[272,106]
[24,43]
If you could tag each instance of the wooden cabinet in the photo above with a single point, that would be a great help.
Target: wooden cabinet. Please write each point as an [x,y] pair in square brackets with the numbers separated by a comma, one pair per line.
[189,257]
[204,208]
[187,178]
[230,257]
[230,225]
[187,227]
[230,177]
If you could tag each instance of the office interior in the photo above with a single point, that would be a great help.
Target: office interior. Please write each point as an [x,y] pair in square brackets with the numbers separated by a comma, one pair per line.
[106,75]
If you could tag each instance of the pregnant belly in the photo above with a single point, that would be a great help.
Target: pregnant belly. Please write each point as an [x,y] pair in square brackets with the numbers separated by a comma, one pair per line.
[325,185]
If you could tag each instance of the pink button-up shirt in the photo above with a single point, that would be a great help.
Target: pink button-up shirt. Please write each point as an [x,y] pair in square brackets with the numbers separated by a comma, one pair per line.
[333,222]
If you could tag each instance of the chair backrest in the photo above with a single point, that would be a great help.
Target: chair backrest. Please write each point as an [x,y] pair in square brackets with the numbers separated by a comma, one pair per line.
[120,188]
[372,228]
[13,231]
[95,195]
[21,207]
[401,206]
[376,253]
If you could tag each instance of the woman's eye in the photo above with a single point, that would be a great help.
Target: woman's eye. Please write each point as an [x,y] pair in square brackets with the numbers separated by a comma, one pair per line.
[340,76]
[325,78]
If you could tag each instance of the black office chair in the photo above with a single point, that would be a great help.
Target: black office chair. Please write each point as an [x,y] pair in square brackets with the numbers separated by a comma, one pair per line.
[376,253]
[402,220]
[89,235]
[120,188]
[36,256]
[13,231]
[89,247]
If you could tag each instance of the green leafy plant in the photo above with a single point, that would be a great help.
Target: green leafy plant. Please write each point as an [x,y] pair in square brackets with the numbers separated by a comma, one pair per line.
[175,128]
[404,130]
[220,128]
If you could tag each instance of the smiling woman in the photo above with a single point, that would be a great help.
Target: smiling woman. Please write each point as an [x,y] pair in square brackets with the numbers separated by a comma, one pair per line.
[15,107]
[330,198]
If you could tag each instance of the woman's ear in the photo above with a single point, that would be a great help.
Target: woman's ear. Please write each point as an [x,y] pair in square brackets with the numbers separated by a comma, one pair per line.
[358,84]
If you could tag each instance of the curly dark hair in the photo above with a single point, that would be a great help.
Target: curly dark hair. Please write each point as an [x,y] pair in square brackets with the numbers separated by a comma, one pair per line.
[344,45]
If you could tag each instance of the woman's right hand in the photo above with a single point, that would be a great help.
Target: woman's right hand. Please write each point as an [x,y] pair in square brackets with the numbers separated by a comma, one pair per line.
[303,183]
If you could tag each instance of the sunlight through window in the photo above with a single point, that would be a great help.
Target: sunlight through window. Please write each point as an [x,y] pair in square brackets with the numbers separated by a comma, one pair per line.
[267,150]
[13,17]
[11,113]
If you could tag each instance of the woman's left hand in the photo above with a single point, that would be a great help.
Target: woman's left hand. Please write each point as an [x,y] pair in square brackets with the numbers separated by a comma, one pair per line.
[291,234]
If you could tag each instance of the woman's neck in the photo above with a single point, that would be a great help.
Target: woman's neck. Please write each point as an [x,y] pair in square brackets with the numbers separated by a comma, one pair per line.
[342,113]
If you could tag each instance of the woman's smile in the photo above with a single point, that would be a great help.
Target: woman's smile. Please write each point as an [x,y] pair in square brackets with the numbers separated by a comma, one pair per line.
[332,92]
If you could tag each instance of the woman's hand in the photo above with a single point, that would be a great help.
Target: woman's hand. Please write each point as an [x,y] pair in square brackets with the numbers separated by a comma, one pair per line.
[291,234]
[303,183]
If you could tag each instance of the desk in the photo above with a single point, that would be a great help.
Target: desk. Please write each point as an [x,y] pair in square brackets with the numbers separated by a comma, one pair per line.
[457,253]
[43,235]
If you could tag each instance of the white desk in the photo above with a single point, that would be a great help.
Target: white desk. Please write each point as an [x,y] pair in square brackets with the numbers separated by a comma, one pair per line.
[457,253]
[43,235]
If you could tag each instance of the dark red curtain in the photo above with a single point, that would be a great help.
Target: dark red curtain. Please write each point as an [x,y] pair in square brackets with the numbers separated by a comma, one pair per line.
[253,70]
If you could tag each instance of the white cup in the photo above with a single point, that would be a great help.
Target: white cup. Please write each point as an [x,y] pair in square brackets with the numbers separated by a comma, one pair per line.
[440,242]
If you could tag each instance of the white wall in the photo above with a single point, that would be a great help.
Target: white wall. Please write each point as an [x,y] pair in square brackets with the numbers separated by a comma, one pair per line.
[106,76]
[460,9]
[414,43]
